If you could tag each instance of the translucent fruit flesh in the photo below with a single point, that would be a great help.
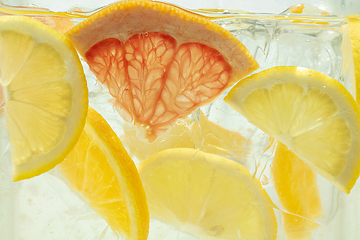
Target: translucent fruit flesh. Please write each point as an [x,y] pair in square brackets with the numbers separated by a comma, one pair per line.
[161,83]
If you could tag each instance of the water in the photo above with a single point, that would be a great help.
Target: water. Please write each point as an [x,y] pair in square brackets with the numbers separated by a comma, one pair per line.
[45,208]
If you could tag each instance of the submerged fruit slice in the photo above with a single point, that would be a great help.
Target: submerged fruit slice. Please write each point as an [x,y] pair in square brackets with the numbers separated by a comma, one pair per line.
[100,169]
[201,134]
[296,186]
[311,113]
[158,61]
[207,196]
[354,29]
[45,94]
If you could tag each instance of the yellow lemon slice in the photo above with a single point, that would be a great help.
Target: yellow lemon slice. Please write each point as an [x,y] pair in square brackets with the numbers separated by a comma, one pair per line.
[207,196]
[296,185]
[311,113]
[354,29]
[100,169]
[45,94]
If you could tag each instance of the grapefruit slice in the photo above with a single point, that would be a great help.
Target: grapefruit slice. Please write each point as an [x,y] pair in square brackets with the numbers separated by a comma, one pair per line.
[159,62]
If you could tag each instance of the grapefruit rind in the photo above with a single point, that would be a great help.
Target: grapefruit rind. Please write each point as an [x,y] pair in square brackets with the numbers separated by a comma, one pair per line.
[111,22]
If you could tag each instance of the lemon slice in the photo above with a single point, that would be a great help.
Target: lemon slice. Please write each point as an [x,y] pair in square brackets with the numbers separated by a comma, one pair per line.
[207,196]
[311,113]
[298,192]
[354,29]
[45,93]
[100,169]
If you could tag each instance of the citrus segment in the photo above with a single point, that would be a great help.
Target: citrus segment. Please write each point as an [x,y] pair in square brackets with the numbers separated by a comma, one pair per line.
[200,134]
[100,169]
[207,196]
[311,113]
[45,94]
[297,189]
[158,61]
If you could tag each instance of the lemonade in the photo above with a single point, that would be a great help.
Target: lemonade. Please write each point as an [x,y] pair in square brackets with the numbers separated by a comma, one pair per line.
[274,157]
